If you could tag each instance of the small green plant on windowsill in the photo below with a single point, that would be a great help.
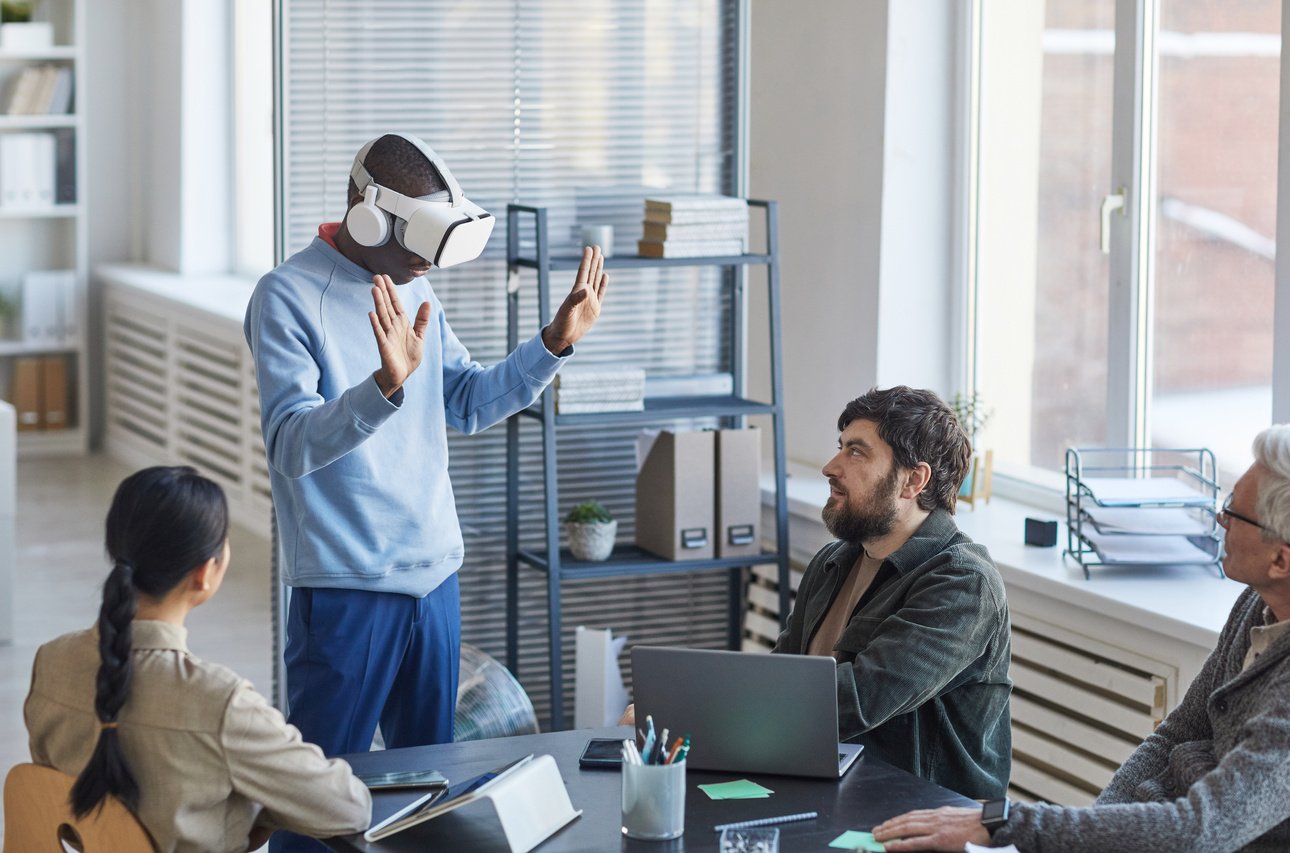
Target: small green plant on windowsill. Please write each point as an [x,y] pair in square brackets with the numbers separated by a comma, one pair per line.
[591,530]
[973,416]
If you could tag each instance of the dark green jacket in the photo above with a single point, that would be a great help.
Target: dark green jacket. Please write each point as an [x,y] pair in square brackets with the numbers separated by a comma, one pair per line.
[923,663]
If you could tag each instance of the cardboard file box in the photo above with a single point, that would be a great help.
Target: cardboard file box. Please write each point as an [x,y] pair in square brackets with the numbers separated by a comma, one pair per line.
[674,497]
[738,493]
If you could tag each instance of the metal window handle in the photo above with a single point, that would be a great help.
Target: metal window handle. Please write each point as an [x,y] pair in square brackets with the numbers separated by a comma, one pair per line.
[1110,204]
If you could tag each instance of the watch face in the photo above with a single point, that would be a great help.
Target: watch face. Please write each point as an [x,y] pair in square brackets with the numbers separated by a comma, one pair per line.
[994,811]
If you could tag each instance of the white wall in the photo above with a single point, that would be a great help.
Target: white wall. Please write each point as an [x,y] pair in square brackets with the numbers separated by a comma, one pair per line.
[159,136]
[852,128]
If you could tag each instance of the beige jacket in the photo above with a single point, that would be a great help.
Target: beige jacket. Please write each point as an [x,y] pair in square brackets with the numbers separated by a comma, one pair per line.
[211,756]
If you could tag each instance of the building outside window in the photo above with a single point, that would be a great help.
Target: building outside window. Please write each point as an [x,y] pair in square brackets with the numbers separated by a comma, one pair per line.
[1165,338]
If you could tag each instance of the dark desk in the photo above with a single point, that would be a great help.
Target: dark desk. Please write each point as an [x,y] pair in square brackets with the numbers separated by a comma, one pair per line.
[871,792]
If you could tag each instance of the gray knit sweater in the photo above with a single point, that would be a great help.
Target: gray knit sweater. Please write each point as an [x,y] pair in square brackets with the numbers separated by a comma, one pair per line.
[1214,776]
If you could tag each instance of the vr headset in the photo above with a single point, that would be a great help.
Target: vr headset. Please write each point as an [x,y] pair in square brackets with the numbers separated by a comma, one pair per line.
[444,228]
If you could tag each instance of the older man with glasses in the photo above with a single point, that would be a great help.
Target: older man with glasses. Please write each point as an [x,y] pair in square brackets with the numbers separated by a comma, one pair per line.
[1215,775]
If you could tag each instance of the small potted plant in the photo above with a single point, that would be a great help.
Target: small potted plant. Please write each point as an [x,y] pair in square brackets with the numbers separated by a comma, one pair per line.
[18,31]
[591,530]
[973,416]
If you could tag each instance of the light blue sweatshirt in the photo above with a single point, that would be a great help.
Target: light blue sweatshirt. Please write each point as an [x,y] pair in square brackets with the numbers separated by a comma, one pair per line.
[360,483]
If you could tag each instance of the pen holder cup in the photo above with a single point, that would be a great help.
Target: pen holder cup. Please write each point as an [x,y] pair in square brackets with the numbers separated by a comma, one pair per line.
[654,801]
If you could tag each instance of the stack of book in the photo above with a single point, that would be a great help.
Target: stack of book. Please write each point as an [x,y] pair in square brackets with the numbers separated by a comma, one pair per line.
[599,388]
[694,226]
[41,90]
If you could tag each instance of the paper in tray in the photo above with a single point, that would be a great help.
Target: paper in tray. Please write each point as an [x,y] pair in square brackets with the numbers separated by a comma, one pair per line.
[1149,521]
[1146,550]
[1133,491]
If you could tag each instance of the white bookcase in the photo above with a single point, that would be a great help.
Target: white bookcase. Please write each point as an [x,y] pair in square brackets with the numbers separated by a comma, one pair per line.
[47,237]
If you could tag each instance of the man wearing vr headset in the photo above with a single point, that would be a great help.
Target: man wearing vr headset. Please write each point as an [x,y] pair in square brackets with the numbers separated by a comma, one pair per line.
[359,376]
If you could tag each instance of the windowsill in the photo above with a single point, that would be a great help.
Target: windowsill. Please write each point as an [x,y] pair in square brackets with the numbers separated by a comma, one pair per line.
[221,295]
[1185,603]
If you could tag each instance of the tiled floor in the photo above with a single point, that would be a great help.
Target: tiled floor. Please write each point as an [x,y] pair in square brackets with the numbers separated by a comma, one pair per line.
[60,565]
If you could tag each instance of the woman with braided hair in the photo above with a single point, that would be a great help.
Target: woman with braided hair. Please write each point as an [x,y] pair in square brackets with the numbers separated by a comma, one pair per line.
[201,758]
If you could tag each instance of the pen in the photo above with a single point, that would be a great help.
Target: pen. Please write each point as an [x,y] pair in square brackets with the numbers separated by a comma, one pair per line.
[683,751]
[661,749]
[766,821]
[648,747]
[671,754]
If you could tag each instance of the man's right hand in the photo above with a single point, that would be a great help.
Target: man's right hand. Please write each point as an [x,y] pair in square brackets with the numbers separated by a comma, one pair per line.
[400,342]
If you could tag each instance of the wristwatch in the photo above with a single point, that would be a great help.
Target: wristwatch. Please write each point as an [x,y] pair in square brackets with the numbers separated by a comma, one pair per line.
[994,814]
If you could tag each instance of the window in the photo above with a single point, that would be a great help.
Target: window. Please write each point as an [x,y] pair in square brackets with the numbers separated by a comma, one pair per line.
[583,106]
[1123,226]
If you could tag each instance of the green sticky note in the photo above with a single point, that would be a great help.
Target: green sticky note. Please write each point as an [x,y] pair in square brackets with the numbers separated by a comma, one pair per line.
[741,789]
[853,840]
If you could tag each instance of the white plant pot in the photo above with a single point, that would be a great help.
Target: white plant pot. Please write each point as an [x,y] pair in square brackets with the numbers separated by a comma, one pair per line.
[36,35]
[594,541]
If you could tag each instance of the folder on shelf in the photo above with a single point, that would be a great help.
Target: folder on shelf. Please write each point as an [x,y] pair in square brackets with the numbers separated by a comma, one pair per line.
[26,394]
[674,496]
[738,492]
[49,306]
[54,398]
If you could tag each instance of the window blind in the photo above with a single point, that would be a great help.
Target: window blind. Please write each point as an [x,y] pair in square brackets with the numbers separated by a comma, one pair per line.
[586,107]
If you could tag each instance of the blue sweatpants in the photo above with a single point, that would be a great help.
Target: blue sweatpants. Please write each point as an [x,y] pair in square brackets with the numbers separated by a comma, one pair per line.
[357,658]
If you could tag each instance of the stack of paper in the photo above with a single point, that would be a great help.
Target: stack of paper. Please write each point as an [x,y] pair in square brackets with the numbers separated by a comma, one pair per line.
[694,226]
[599,388]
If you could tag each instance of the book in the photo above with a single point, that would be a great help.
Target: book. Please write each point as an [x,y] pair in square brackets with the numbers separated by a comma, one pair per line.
[23,91]
[65,166]
[60,98]
[600,376]
[54,398]
[26,394]
[659,232]
[44,96]
[690,249]
[49,307]
[597,407]
[697,201]
[441,801]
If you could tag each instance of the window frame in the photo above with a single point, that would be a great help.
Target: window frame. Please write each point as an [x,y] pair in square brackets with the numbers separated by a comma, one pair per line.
[1132,236]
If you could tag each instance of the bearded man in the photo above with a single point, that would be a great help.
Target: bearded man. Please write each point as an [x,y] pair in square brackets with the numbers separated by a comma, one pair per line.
[911,609]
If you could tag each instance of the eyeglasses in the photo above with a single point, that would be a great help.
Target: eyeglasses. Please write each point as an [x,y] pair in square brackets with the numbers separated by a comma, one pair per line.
[1226,514]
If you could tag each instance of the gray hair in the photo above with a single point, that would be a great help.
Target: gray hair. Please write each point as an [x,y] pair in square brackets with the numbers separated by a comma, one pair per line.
[1272,454]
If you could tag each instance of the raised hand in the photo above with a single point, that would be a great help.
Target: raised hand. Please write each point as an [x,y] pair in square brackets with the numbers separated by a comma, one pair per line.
[581,307]
[400,342]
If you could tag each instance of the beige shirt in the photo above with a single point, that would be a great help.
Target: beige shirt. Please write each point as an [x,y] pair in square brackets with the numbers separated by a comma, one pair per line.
[1263,636]
[211,756]
[853,589]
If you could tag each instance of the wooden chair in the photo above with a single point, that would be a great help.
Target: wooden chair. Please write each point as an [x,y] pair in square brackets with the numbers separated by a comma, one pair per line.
[38,818]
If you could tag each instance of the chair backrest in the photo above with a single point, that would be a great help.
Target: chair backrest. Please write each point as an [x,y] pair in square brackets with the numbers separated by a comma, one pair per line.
[38,817]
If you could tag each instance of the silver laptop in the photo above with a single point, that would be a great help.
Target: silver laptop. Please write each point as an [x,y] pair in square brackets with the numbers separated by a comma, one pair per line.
[745,712]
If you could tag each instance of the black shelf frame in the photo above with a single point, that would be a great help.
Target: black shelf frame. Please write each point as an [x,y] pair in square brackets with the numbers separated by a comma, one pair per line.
[732,410]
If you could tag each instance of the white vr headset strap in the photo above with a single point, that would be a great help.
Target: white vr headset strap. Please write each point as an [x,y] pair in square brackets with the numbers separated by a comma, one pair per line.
[362,178]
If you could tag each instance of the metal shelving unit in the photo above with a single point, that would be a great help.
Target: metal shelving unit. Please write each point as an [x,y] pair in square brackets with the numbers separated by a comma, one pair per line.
[1141,506]
[731,410]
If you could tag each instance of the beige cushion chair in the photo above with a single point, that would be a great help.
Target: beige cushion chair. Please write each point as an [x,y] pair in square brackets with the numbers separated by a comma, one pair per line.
[38,818]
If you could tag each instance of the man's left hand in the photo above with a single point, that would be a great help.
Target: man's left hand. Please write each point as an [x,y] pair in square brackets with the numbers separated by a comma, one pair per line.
[581,307]
[947,828]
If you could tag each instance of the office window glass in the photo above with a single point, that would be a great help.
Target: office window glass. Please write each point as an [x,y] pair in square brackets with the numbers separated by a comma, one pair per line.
[1216,225]
[1045,106]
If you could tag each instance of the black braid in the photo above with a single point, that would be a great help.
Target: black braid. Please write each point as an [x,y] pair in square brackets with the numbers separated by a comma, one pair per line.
[107,772]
